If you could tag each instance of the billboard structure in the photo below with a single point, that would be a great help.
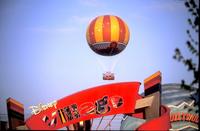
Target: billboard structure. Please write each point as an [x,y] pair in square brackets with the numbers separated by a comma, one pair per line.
[78,110]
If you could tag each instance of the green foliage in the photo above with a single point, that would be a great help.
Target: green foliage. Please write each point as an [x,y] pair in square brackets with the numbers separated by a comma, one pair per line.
[191,44]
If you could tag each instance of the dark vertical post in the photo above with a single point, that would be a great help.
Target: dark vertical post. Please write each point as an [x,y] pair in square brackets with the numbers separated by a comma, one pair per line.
[152,87]
[82,125]
[15,113]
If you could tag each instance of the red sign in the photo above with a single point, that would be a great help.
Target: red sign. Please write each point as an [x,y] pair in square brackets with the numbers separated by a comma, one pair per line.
[161,123]
[92,103]
[182,116]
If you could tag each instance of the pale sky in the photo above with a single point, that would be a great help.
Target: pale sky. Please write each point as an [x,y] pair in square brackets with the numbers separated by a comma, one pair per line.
[44,55]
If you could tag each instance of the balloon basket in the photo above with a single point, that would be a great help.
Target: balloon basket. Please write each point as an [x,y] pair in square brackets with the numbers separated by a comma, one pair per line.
[108,76]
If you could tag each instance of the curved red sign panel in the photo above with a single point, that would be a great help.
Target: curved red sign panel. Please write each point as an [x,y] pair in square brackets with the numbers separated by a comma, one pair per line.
[161,123]
[95,102]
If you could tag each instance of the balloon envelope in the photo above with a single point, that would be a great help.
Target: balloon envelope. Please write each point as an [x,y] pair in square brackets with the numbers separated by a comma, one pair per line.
[107,35]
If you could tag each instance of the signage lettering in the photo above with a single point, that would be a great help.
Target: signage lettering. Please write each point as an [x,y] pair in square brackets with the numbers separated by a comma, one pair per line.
[182,116]
[37,109]
[68,113]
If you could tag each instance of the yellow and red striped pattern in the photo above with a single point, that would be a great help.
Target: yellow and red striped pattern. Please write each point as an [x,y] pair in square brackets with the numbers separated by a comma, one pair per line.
[152,80]
[107,28]
[15,105]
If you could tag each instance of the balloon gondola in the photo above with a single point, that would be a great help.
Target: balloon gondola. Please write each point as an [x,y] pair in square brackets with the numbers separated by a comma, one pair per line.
[108,76]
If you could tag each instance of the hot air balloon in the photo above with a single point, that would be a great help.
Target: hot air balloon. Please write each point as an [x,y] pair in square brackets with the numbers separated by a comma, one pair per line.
[107,35]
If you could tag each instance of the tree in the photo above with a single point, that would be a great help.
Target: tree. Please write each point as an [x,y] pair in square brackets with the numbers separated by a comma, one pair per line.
[192,45]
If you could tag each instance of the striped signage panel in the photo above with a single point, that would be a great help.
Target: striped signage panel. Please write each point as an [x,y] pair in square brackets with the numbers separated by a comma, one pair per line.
[15,113]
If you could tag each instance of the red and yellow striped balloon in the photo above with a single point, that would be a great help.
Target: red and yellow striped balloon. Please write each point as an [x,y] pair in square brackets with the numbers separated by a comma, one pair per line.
[107,35]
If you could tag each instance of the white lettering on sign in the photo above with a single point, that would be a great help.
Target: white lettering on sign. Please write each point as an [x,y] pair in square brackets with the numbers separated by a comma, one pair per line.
[37,109]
